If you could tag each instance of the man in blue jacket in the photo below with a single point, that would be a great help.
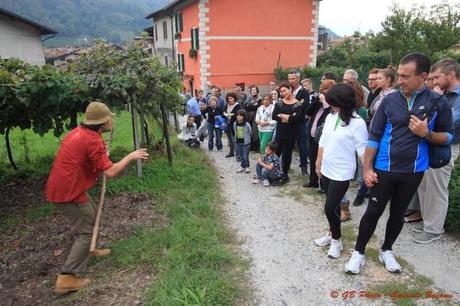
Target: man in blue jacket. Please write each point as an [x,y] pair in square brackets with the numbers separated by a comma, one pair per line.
[397,155]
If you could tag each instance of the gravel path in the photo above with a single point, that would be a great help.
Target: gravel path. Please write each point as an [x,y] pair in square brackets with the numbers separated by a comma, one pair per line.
[278,224]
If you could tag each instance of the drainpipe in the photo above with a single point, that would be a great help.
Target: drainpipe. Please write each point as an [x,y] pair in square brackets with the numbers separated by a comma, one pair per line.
[173,38]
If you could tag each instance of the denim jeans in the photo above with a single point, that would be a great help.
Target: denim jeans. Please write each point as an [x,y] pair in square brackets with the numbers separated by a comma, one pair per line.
[265,174]
[302,143]
[242,151]
[218,133]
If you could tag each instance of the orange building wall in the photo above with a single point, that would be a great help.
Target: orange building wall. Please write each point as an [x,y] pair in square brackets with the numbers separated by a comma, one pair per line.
[260,17]
[192,65]
[253,61]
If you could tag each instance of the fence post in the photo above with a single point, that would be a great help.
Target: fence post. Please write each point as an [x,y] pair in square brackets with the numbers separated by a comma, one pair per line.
[165,132]
[136,138]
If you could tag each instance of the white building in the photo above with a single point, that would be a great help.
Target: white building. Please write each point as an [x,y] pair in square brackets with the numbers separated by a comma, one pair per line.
[163,34]
[22,38]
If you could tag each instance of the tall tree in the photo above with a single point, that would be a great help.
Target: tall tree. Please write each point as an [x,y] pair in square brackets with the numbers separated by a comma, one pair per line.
[428,31]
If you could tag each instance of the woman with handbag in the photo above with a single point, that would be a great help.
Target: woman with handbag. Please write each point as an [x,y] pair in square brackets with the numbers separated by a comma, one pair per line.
[318,111]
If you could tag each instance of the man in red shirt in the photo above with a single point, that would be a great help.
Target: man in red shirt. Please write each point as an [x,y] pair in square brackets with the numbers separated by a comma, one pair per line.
[80,160]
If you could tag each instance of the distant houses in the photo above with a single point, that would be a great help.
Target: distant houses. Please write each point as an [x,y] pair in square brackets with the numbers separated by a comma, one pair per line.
[22,38]
[221,42]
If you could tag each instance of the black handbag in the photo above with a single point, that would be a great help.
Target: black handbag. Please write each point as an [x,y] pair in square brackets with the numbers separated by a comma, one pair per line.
[439,155]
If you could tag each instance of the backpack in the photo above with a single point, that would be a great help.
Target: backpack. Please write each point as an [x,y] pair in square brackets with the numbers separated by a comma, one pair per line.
[439,155]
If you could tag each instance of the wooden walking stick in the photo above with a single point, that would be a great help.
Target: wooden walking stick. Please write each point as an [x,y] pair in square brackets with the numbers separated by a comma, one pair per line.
[97,222]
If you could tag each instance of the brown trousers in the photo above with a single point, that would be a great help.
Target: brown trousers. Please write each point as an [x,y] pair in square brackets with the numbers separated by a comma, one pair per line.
[82,217]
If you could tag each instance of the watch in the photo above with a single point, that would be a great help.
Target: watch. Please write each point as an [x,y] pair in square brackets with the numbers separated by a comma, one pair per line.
[428,136]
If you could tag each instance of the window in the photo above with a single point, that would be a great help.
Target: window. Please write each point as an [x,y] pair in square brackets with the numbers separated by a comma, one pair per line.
[195,38]
[180,62]
[179,22]
[156,33]
[166,60]
[165,30]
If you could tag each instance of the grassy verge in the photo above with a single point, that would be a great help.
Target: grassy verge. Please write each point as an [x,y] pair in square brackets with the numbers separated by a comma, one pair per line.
[193,254]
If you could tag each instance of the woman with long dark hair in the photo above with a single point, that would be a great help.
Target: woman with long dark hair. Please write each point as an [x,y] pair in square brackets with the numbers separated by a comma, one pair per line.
[252,104]
[287,113]
[231,108]
[344,133]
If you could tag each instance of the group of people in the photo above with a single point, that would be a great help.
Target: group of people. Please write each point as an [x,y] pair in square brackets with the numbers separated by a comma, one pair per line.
[393,137]
[384,134]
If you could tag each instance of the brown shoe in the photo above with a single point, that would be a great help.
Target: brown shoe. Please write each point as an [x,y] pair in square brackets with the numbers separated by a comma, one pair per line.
[345,213]
[66,283]
[101,252]
[416,216]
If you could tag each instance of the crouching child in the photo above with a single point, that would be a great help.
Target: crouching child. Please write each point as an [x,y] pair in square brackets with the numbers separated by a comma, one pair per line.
[188,134]
[268,168]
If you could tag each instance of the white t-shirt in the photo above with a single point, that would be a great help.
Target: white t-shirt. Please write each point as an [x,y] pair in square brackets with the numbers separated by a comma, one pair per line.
[339,145]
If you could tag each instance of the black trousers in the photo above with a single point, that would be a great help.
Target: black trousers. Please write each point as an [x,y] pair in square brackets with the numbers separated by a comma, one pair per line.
[401,188]
[312,155]
[285,146]
[335,191]
[231,139]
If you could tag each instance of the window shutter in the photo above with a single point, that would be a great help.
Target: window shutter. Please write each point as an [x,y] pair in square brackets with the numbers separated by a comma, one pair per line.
[165,30]
[180,62]
[179,22]
[194,37]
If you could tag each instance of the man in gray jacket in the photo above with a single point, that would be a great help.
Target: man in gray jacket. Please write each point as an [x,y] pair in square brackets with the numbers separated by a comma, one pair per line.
[433,190]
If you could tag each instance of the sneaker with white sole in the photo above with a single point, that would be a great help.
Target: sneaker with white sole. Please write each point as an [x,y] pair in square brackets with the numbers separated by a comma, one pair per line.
[335,249]
[266,183]
[324,241]
[355,263]
[240,170]
[247,170]
[417,227]
[424,237]
[256,181]
[390,262]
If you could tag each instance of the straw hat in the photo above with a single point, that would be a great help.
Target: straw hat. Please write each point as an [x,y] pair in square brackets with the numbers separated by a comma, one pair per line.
[97,113]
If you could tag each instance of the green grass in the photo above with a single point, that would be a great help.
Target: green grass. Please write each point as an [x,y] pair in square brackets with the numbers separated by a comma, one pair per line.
[192,255]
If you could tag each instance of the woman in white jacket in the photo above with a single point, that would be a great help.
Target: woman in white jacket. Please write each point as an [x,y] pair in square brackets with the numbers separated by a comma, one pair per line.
[344,133]
[265,123]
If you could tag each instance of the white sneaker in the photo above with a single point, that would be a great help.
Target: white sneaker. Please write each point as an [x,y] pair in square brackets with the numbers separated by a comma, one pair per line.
[387,258]
[355,263]
[324,241]
[256,181]
[266,183]
[248,170]
[240,170]
[335,249]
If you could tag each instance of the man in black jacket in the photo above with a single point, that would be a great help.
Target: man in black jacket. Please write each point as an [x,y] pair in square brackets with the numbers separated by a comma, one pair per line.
[302,95]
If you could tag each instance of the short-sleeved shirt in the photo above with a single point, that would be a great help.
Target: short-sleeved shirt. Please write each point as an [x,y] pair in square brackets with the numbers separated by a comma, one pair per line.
[340,142]
[78,163]
[276,161]
[240,132]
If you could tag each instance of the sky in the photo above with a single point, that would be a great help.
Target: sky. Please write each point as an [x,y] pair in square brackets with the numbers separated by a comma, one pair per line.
[344,17]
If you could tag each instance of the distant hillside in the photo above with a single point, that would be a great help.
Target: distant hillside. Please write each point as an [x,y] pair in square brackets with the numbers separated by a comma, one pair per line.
[331,34]
[78,21]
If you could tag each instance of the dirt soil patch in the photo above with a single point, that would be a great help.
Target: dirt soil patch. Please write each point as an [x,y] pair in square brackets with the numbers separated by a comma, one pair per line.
[32,251]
